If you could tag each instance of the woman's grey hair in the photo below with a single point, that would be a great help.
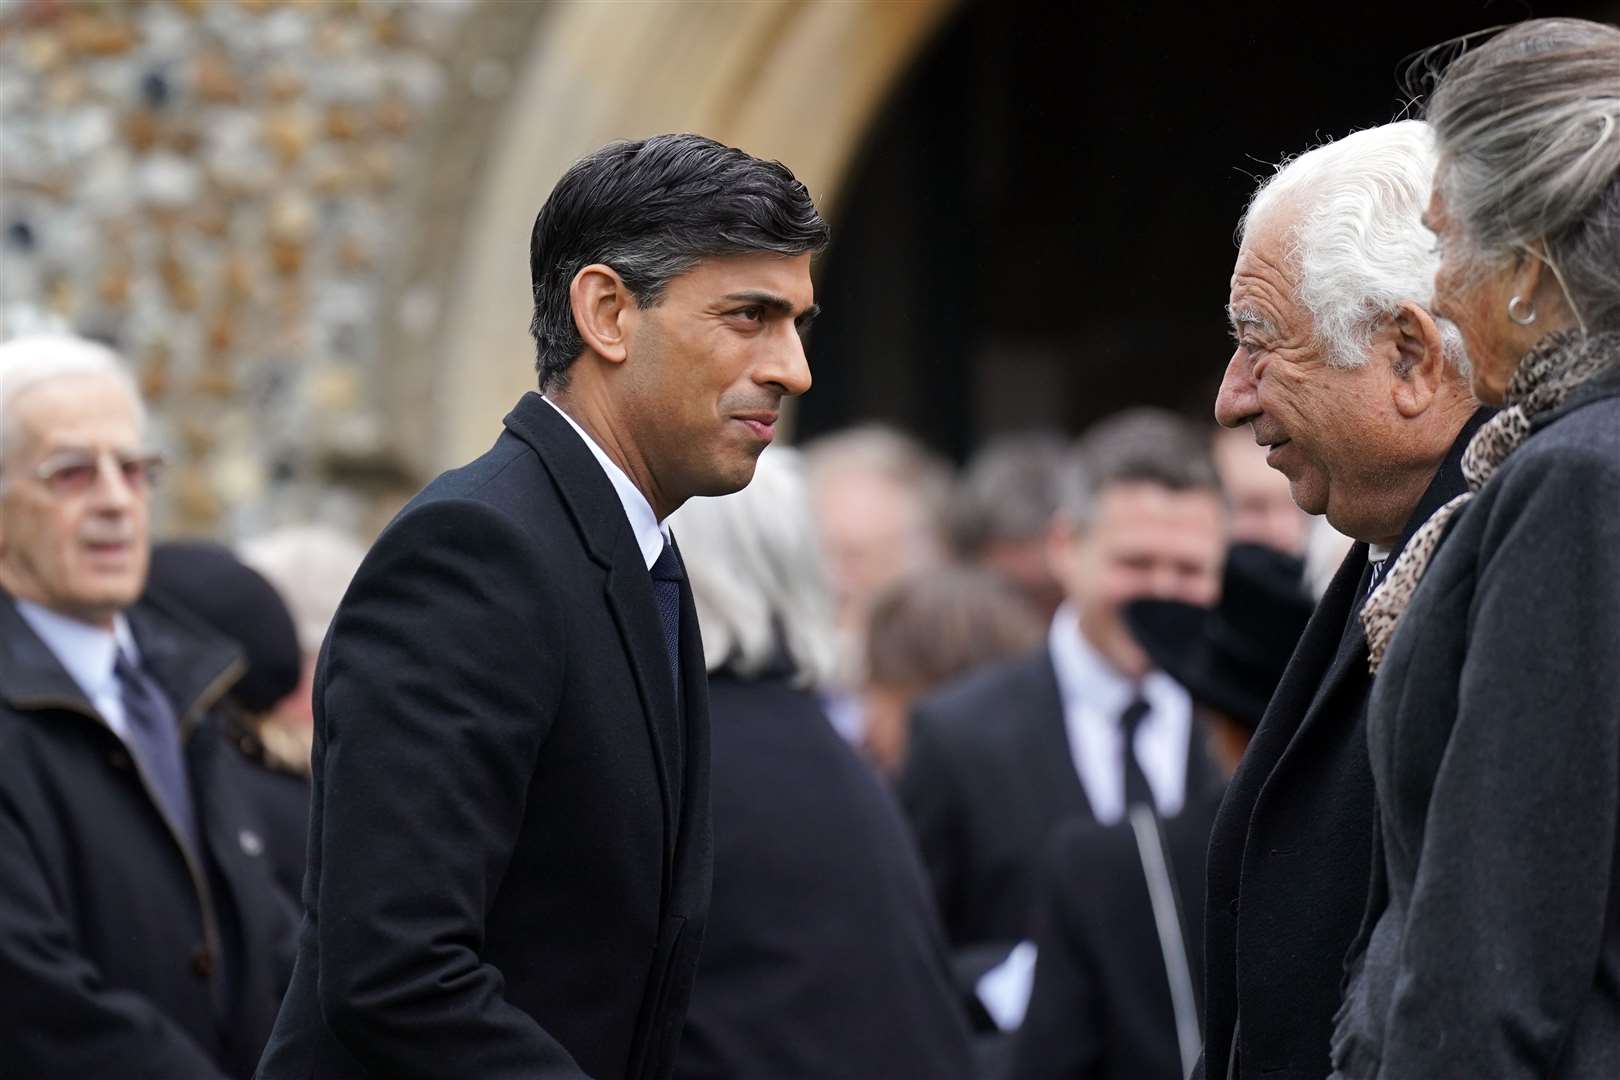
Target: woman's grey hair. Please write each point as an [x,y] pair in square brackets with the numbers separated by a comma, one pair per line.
[26,362]
[1358,247]
[311,566]
[1528,129]
[758,576]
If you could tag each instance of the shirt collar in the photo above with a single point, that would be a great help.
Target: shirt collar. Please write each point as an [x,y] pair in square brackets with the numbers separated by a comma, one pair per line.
[86,652]
[649,533]
[1083,673]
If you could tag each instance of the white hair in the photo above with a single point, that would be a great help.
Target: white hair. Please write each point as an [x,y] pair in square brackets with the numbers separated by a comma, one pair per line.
[758,576]
[27,362]
[311,567]
[1358,246]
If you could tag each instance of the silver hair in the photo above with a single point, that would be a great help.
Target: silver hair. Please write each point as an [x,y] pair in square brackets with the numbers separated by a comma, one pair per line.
[758,576]
[1528,129]
[27,362]
[915,471]
[310,566]
[1358,246]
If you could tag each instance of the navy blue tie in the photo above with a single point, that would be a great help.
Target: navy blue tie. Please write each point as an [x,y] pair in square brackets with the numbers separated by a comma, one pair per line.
[153,734]
[667,575]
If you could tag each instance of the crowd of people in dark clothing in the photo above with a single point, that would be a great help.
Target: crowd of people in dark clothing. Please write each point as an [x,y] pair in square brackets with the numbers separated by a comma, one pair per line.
[1287,747]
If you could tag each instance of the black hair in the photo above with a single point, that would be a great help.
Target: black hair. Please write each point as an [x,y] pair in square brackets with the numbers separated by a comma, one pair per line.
[652,209]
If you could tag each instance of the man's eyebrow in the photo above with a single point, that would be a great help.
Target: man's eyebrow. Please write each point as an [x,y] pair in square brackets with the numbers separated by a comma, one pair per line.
[779,306]
[1240,317]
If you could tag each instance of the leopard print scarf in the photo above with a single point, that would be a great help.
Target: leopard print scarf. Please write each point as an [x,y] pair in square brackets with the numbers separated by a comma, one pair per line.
[1559,364]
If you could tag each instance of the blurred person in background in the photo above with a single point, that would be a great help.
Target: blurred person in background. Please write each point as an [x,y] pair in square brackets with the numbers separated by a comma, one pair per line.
[1119,945]
[142,934]
[929,629]
[880,501]
[823,955]
[511,850]
[208,581]
[1492,938]
[1001,515]
[1262,505]
[1360,391]
[310,567]
[1084,724]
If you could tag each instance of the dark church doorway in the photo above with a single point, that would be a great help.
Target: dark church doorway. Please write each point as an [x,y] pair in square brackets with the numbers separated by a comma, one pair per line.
[1039,227]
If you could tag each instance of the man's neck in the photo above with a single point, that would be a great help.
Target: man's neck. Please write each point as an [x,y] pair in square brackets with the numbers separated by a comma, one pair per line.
[587,407]
[1407,490]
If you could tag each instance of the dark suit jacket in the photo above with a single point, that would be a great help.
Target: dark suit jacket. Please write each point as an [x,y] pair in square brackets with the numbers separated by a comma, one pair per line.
[1101,1007]
[1494,732]
[122,953]
[824,956]
[510,850]
[1291,849]
[988,775]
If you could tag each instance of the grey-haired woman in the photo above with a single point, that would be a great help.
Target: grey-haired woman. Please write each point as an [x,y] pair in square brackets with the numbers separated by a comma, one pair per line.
[1491,946]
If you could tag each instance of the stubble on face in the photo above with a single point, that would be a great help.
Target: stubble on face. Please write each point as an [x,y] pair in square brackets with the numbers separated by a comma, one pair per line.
[708,369]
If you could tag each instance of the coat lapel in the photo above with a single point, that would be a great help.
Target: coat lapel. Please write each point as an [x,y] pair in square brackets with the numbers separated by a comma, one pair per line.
[1048,755]
[599,517]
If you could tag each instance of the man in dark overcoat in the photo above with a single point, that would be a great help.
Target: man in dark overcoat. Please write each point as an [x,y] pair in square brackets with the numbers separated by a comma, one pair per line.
[510,855]
[1361,395]
[142,935]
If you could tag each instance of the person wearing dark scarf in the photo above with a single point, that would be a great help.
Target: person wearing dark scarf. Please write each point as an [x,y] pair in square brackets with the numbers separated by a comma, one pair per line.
[1491,945]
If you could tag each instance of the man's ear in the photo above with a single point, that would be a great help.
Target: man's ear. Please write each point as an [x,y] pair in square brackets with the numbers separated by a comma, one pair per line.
[1419,359]
[602,307]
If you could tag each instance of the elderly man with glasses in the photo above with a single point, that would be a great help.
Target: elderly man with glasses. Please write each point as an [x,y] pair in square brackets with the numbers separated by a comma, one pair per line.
[141,934]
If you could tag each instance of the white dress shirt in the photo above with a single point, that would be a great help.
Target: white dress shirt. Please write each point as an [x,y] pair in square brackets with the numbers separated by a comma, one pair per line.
[87,653]
[1094,694]
[650,534]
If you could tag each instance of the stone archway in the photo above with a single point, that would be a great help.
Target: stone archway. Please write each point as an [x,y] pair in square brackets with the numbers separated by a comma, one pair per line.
[798,80]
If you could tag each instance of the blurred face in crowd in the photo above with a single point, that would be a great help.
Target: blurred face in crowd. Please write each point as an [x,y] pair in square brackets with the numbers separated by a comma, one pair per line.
[694,385]
[1258,497]
[1344,437]
[73,509]
[886,723]
[1144,541]
[873,532]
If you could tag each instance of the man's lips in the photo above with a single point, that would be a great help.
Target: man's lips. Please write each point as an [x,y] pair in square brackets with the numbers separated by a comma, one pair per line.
[1273,447]
[762,424]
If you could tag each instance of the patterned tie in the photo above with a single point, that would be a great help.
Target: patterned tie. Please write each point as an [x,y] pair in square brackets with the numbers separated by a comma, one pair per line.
[1136,784]
[154,737]
[666,580]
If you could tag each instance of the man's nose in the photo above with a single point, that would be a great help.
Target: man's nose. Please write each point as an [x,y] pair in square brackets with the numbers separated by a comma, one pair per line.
[1236,403]
[112,490]
[787,367]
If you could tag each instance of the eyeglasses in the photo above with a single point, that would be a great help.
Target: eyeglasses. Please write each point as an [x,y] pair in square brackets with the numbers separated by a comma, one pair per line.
[75,472]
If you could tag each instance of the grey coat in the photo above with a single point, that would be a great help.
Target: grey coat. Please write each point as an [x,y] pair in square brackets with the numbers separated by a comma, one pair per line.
[1492,942]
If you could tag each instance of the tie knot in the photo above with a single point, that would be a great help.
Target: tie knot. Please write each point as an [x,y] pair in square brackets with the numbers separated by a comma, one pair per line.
[123,667]
[667,567]
[1132,717]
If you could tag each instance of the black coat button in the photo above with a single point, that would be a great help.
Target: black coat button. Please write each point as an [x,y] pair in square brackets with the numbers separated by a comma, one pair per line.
[1234,905]
[202,962]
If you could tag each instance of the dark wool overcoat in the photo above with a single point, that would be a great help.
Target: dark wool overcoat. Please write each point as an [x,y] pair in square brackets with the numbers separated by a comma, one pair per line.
[510,850]
[1494,729]
[989,774]
[1291,848]
[1101,1006]
[823,956]
[123,953]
